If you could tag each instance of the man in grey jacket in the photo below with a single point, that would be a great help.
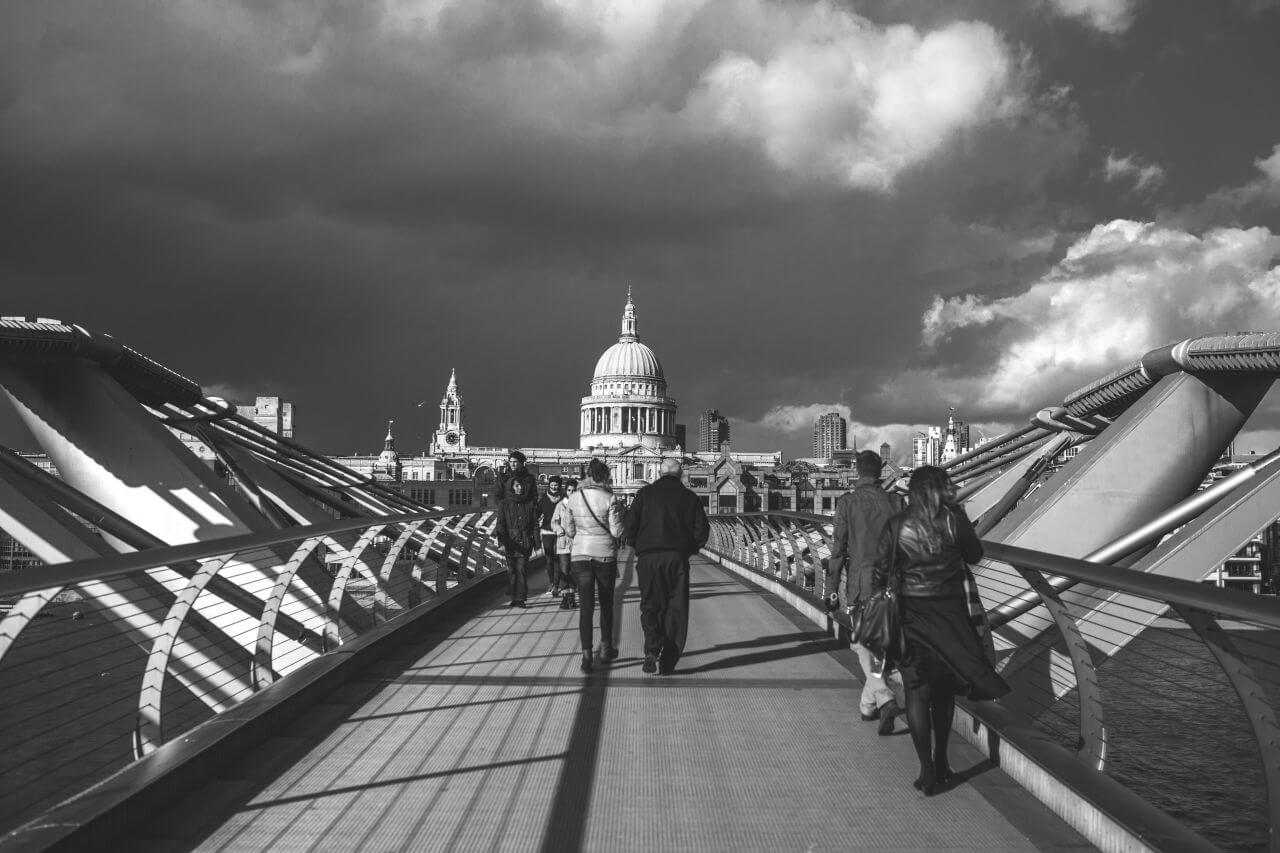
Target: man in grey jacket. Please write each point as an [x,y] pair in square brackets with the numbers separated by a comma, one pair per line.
[860,516]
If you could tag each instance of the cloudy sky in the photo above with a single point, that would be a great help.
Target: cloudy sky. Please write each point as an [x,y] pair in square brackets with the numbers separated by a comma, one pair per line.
[883,208]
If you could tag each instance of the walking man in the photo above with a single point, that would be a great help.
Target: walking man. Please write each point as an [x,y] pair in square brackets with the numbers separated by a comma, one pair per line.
[546,511]
[667,524]
[860,516]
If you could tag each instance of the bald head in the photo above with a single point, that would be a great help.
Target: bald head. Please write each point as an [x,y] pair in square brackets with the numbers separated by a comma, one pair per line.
[670,467]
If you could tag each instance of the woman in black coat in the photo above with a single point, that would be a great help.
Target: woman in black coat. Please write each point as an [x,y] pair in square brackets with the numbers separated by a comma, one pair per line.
[926,549]
[516,530]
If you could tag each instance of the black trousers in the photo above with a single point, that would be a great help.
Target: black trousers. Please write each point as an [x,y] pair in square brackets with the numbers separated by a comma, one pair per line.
[664,603]
[549,549]
[517,583]
[591,577]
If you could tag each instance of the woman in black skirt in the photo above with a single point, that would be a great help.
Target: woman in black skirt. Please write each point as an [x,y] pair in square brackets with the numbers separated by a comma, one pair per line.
[925,549]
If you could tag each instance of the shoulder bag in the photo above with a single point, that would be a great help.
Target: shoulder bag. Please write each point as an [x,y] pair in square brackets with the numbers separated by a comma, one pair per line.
[603,526]
[877,621]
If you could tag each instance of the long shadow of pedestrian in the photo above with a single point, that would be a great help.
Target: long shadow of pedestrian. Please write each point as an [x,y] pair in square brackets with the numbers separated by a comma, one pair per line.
[826,644]
[770,640]
[627,570]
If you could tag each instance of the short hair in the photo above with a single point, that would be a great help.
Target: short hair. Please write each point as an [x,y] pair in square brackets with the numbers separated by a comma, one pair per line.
[554,478]
[598,471]
[517,455]
[868,463]
[517,484]
[669,467]
[570,481]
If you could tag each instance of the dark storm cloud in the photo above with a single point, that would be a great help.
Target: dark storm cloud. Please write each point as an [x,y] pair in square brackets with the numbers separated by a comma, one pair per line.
[342,203]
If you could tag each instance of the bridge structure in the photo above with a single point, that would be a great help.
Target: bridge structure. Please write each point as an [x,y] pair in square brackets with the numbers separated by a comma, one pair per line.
[278,653]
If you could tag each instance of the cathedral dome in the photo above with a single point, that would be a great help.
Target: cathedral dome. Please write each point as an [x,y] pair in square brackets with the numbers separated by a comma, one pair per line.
[628,359]
[628,405]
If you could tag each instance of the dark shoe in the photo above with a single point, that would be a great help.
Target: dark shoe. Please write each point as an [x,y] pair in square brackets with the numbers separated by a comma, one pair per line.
[666,670]
[518,604]
[942,772]
[889,712]
[586,661]
[650,664]
[609,655]
[926,784]
[874,715]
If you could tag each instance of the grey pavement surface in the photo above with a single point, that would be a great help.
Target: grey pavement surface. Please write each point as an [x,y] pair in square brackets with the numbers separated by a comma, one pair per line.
[485,736]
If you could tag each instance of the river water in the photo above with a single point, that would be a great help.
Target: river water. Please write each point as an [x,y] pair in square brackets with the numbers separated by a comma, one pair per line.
[1178,736]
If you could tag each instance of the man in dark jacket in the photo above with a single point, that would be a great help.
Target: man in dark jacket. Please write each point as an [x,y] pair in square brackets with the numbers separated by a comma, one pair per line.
[667,524]
[502,488]
[516,530]
[860,516]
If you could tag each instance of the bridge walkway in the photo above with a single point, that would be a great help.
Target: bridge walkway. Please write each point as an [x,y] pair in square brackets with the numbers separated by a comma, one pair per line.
[486,736]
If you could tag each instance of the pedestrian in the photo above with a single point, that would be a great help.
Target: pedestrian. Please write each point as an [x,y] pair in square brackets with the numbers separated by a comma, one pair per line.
[860,517]
[546,510]
[926,550]
[514,470]
[667,524]
[564,544]
[593,522]
[516,531]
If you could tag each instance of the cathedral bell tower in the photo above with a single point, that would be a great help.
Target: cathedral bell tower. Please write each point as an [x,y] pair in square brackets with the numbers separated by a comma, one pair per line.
[450,435]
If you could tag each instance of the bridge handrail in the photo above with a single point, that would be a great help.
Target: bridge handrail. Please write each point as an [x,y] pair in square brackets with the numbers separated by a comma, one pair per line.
[154,624]
[792,547]
[1226,602]
[119,565]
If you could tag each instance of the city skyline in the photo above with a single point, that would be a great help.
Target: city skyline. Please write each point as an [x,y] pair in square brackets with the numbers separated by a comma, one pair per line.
[338,208]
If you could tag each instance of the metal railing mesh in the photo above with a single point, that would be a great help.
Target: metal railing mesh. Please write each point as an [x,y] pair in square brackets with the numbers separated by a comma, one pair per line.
[99,671]
[1175,697]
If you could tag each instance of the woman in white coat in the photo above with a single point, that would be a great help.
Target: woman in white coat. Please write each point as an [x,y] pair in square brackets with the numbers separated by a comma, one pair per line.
[594,521]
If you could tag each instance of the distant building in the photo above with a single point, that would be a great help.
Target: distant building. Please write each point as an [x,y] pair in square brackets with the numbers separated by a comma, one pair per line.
[926,448]
[451,434]
[956,439]
[271,413]
[628,404]
[830,433]
[682,433]
[713,431]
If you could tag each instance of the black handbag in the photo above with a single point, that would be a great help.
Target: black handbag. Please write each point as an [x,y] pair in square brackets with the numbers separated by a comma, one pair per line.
[877,621]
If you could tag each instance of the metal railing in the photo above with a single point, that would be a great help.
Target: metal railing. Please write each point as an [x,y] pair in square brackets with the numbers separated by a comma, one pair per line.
[103,660]
[1166,686]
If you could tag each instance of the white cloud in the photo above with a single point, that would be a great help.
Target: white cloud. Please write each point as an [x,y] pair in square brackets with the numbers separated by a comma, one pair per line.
[1144,176]
[1124,288]
[1108,16]
[819,91]
[792,426]
[855,103]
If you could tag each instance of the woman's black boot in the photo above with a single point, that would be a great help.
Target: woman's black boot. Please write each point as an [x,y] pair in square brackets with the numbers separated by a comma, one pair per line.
[586,661]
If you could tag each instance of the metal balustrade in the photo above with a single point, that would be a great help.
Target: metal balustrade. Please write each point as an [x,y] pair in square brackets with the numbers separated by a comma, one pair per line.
[1165,685]
[103,660]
